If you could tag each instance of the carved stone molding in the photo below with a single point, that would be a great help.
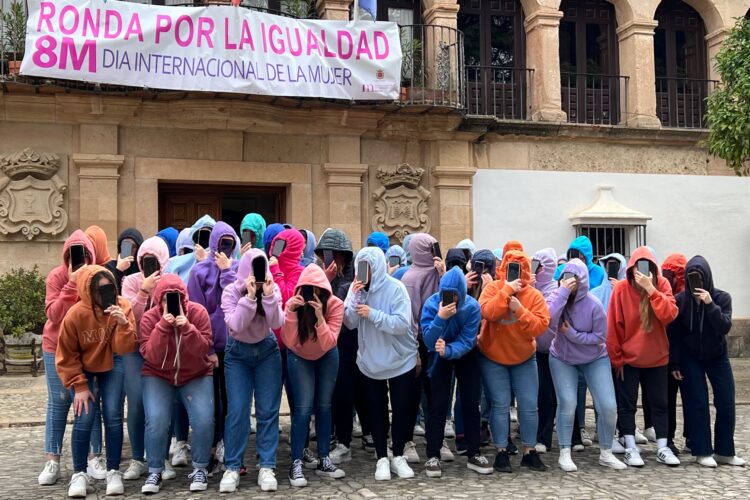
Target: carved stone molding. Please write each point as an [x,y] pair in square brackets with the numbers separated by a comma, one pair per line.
[401,203]
[32,195]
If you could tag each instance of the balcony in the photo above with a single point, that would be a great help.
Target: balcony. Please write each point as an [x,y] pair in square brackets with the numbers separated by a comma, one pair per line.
[594,99]
[681,102]
[497,91]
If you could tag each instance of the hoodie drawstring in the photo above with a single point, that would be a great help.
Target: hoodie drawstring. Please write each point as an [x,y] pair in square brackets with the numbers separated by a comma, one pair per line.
[176,362]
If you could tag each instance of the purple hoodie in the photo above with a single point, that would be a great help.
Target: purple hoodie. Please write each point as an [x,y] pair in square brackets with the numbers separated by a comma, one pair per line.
[586,340]
[546,284]
[207,282]
[422,279]
[240,310]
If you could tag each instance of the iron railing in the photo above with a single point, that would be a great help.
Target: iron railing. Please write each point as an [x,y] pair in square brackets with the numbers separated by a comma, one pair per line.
[681,102]
[498,91]
[594,99]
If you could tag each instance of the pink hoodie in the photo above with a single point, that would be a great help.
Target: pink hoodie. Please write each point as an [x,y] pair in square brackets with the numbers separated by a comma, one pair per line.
[132,284]
[328,332]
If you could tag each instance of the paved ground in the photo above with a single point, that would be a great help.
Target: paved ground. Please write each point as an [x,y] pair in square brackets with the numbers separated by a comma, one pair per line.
[22,407]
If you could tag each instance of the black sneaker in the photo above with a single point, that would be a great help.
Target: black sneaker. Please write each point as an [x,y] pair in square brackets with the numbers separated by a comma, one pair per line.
[461,448]
[512,448]
[296,475]
[200,480]
[533,462]
[502,462]
[152,485]
[479,464]
[433,468]
[309,461]
[368,443]
[326,468]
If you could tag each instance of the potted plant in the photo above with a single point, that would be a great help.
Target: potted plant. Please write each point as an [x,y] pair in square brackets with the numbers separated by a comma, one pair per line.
[412,68]
[22,316]
[14,35]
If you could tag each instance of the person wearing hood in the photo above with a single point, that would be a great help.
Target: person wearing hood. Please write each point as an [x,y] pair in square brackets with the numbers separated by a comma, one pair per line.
[139,291]
[469,246]
[170,235]
[181,265]
[252,365]
[700,332]
[640,309]
[269,235]
[514,314]
[185,243]
[581,248]
[395,251]
[379,240]
[456,258]
[125,265]
[176,365]
[399,273]
[450,328]
[311,330]
[252,230]
[380,310]
[579,348]
[308,254]
[93,331]
[206,284]
[603,292]
[61,295]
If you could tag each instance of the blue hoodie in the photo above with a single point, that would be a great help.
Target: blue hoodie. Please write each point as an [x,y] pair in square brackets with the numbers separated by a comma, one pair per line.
[460,331]
[397,251]
[308,255]
[272,231]
[379,240]
[185,241]
[169,235]
[387,346]
[182,264]
[596,273]
[604,291]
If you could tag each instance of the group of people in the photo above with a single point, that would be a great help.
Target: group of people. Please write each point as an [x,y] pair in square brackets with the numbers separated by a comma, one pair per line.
[194,328]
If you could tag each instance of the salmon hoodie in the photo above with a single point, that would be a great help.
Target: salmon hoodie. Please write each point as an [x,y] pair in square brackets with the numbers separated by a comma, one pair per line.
[176,354]
[627,342]
[89,338]
[327,332]
[508,338]
[62,293]
[132,285]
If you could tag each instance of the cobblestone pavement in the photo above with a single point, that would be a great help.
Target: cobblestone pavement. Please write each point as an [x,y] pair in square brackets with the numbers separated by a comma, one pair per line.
[22,407]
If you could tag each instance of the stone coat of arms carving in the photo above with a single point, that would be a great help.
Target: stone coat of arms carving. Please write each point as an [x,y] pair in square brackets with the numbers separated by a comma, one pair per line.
[32,195]
[401,203]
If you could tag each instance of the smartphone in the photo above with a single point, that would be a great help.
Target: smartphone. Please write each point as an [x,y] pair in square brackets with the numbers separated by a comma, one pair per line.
[613,268]
[77,256]
[247,237]
[513,272]
[643,267]
[574,254]
[447,297]
[126,249]
[278,248]
[535,266]
[436,251]
[394,261]
[327,258]
[226,246]
[150,265]
[695,281]
[478,268]
[259,270]
[108,294]
[173,303]
[567,276]
[467,254]
[308,293]
[363,272]
[204,238]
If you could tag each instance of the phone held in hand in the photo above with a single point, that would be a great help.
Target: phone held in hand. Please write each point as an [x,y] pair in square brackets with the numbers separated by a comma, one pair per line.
[447,297]
[77,256]
[575,254]
[204,237]
[394,261]
[108,294]
[436,251]
[126,249]
[567,276]
[535,266]
[479,268]
[363,272]
[173,303]
[308,293]
[327,258]
[150,265]
[643,267]
[278,248]
[247,237]
[513,272]
[695,281]
[259,270]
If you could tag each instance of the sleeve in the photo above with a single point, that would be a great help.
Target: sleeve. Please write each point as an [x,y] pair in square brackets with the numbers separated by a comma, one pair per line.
[68,357]
[534,319]
[467,337]
[494,300]
[433,326]
[328,331]
[663,303]
[351,318]
[227,276]
[196,338]
[719,313]
[397,321]
[155,332]
[131,288]
[280,279]
[290,328]
[60,296]
[272,308]
[597,336]
[195,290]
[239,310]
[556,303]
[615,329]
[124,338]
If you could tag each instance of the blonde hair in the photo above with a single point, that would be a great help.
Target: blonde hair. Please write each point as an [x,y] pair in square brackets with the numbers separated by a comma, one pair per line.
[646,312]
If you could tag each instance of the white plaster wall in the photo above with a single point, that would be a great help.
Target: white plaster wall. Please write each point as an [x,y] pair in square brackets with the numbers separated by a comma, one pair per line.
[691,215]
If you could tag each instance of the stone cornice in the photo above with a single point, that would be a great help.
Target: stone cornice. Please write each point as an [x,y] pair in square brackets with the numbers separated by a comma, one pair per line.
[342,174]
[643,27]
[453,176]
[547,18]
[96,166]
[717,37]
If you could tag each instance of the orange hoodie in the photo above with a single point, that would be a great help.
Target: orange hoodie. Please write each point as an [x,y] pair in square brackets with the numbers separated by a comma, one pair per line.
[89,338]
[627,342]
[99,239]
[508,338]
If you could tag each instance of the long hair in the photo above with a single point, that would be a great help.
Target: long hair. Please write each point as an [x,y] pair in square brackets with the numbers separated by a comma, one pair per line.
[259,300]
[644,307]
[307,320]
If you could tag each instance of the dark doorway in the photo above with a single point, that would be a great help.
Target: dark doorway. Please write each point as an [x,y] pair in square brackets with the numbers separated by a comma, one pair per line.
[180,205]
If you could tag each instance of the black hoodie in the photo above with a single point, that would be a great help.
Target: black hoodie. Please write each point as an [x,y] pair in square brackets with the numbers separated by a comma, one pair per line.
[338,241]
[700,329]
[136,236]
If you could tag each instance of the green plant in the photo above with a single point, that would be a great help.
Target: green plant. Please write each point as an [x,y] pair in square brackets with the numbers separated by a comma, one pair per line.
[22,294]
[728,112]
[301,9]
[412,68]
[14,30]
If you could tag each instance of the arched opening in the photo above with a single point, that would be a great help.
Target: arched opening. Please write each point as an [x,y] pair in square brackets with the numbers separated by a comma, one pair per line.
[589,62]
[680,65]
[494,54]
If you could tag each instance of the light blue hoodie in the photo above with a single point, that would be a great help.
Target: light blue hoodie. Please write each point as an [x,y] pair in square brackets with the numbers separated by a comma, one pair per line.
[387,347]
[604,291]
[308,255]
[182,264]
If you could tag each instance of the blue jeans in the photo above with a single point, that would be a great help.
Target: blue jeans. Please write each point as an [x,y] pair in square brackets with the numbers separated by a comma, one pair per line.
[499,382]
[158,402]
[58,406]
[597,375]
[252,368]
[313,383]
[581,405]
[109,390]
[133,365]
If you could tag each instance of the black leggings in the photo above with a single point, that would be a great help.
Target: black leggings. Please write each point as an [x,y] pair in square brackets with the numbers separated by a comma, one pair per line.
[220,400]
[401,390]
[349,394]
[627,398]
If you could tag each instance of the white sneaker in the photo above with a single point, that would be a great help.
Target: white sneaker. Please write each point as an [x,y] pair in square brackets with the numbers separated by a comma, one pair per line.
[199,480]
[173,445]
[667,457]
[168,473]
[179,455]
[400,467]
[267,480]
[229,482]
[410,453]
[640,438]
[114,483]
[735,460]
[617,447]
[540,448]
[340,454]
[585,438]
[446,455]
[220,451]
[50,474]
[633,458]
[97,468]
[650,434]
[79,485]
[578,447]
[450,432]
[383,470]
[356,428]
[707,461]
[565,461]
[135,470]
[419,430]
[513,415]
[607,459]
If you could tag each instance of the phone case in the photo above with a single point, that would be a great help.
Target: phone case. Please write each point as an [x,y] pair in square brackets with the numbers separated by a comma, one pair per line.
[173,304]
[362,273]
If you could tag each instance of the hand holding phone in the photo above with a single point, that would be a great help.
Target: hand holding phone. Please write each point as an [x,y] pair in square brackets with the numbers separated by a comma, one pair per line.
[695,281]
[513,272]
[308,293]
[126,249]
[394,261]
[77,257]
[247,237]
[479,268]
[643,266]
[363,272]
[327,258]
[174,306]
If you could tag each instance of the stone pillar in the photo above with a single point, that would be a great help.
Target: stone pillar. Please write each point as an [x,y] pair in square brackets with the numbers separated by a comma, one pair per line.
[543,56]
[440,47]
[97,179]
[333,10]
[455,208]
[714,42]
[440,13]
[344,181]
[636,42]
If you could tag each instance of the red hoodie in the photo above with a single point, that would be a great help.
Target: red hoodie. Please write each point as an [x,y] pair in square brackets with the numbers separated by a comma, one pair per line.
[676,263]
[627,342]
[62,293]
[176,354]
